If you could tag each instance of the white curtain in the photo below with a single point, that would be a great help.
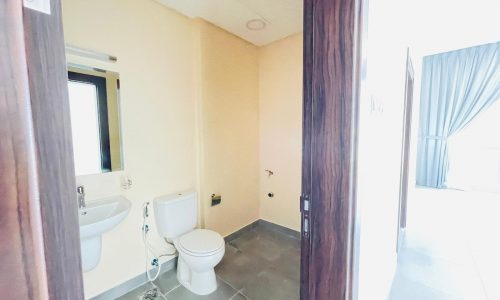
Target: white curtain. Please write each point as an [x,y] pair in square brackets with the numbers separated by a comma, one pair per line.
[456,87]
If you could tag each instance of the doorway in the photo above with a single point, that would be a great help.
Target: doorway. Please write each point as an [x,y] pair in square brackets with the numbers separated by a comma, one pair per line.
[330,113]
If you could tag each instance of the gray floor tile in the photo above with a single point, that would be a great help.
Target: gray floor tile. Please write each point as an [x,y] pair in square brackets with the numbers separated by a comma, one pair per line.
[239,296]
[288,264]
[271,285]
[261,245]
[223,292]
[261,264]
[136,293]
[230,250]
[239,268]
[167,281]
[285,240]
[266,265]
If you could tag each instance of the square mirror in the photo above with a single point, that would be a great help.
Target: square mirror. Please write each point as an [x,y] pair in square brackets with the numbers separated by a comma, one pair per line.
[95,119]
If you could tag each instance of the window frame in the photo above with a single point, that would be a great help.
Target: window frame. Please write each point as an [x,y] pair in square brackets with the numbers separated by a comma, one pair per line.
[102,114]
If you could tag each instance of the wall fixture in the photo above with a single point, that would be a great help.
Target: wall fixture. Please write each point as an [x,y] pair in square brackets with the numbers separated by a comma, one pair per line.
[216,199]
[126,182]
[256,24]
[90,54]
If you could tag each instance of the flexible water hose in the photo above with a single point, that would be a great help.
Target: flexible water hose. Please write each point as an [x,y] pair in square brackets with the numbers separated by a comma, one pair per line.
[148,249]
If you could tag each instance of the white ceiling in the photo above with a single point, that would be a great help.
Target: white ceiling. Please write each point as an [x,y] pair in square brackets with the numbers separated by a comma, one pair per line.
[283,17]
[445,25]
[436,25]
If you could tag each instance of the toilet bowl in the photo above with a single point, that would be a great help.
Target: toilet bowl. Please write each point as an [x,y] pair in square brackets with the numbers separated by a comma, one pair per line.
[200,250]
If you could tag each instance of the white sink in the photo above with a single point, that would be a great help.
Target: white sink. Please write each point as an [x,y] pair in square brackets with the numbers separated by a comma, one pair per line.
[96,218]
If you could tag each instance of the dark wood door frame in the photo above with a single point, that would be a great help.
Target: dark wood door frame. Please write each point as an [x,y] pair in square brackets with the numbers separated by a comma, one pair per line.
[39,232]
[332,35]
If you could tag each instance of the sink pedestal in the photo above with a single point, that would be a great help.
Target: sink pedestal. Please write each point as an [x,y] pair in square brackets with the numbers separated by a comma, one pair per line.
[98,217]
[91,252]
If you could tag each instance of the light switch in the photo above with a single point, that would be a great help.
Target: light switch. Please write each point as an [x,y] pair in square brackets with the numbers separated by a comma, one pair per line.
[38,5]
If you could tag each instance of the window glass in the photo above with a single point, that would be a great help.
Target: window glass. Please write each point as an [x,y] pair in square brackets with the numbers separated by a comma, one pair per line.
[474,153]
[85,127]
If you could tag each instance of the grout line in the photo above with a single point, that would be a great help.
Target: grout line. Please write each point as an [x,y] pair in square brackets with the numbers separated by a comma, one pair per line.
[220,278]
[243,294]
[232,297]
[173,288]
[478,272]
[159,290]
[240,291]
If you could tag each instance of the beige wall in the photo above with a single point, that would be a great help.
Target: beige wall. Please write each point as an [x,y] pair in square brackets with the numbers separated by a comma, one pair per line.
[155,54]
[280,98]
[229,129]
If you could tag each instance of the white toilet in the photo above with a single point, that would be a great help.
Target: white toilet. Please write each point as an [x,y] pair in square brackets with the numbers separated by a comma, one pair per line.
[200,250]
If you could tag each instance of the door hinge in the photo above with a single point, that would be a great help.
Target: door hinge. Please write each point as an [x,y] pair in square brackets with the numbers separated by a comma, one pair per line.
[305,206]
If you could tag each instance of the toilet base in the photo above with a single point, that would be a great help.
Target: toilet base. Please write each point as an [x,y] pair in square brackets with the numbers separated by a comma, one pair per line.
[200,283]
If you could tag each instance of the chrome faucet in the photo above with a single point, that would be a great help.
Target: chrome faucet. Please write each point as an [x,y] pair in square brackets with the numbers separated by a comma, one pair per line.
[80,191]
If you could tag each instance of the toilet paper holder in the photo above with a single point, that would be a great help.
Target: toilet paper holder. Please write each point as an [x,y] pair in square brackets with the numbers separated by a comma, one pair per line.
[216,199]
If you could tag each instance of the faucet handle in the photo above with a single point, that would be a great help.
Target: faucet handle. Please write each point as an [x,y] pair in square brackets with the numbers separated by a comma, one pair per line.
[80,190]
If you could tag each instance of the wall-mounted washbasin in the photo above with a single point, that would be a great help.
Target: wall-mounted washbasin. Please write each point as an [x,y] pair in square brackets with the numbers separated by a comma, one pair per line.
[96,218]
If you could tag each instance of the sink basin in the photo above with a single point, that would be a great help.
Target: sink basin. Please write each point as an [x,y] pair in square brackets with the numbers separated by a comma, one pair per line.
[96,218]
[102,215]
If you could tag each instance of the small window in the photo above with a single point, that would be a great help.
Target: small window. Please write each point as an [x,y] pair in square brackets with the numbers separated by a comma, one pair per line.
[89,122]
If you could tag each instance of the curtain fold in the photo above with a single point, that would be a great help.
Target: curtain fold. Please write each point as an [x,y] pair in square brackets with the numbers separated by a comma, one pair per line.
[456,87]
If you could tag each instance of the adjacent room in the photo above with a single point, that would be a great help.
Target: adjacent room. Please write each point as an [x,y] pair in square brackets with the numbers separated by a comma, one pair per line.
[450,240]
[430,114]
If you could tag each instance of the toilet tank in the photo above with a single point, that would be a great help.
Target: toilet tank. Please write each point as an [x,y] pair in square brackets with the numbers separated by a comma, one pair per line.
[175,214]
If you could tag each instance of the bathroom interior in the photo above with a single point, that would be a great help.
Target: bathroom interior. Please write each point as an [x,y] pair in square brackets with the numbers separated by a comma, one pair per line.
[187,130]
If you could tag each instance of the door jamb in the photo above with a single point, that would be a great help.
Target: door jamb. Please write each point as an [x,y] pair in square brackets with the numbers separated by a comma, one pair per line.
[332,38]
[38,182]
[405,148]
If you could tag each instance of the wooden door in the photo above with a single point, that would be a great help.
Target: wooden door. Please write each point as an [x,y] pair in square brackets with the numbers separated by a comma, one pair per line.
[405,152]
[331,60]
[39,233]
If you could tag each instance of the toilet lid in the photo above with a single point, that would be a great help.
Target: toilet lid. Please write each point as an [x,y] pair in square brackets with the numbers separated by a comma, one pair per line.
[202,241]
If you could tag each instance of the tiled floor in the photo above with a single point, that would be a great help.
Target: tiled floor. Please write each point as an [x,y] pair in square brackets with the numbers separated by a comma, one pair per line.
[451,248]
[261,264]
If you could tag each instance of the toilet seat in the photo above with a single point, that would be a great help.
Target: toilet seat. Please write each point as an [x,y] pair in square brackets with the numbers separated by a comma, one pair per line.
[201,242]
